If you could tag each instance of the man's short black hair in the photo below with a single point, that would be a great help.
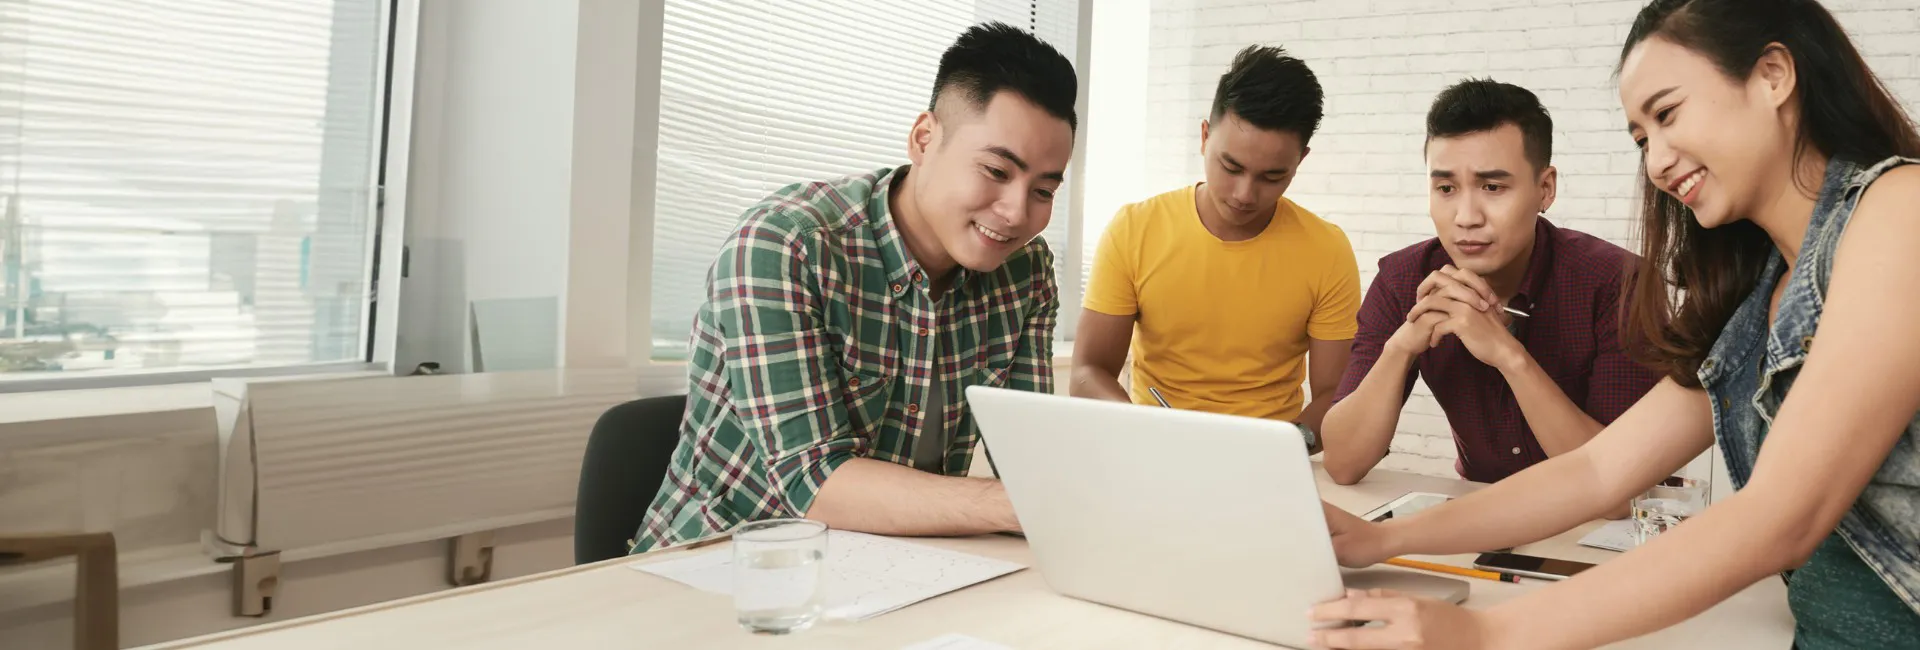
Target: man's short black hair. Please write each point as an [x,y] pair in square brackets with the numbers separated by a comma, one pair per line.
[1477,105]
[1272,91]
[992,57]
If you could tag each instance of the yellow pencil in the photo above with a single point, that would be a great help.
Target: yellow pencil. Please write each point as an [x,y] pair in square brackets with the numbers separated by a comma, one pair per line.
[1454,570]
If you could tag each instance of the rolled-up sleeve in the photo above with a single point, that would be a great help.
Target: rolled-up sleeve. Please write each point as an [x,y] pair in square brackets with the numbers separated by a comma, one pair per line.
[784,386]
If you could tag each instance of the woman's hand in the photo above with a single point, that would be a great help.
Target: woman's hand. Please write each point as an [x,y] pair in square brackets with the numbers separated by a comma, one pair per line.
[1408,623]
[1357,543]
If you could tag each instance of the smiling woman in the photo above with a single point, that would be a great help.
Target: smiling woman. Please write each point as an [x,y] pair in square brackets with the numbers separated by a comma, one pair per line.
[1781,180]
[1715,150]
[1765,136]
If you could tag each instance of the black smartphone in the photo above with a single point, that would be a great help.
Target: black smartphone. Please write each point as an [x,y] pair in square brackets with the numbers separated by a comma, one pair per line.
[1544,568]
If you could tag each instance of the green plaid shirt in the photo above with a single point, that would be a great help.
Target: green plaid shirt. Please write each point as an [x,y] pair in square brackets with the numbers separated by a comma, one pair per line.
[816,345]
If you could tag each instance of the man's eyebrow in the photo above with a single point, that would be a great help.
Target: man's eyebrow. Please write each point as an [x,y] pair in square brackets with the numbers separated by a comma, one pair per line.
[1003,152]
[1008,154]
[1226,158]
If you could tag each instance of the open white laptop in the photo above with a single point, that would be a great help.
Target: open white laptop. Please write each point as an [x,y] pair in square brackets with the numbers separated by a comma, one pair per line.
[1206,519]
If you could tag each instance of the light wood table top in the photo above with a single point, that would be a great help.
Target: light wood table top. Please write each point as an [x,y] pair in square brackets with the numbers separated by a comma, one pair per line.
[610,605]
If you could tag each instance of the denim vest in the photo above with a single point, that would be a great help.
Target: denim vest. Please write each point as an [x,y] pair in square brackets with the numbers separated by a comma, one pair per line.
[1750,370]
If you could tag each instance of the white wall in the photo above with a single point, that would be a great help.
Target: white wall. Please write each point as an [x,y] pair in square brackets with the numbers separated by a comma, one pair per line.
[491,170]
[1382,62]
[1116,117]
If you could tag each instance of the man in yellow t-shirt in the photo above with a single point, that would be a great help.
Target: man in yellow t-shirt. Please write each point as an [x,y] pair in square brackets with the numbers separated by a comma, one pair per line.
[1227,294]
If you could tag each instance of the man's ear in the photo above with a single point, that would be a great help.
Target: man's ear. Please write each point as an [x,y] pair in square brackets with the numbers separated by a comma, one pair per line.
[1549,187]
[1204,130]
[920,138]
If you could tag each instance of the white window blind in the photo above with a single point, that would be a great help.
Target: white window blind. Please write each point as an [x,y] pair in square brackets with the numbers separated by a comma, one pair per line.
[759,95]
[185,184]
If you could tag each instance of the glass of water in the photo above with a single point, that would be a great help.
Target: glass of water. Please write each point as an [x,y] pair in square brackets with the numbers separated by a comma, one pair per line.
[1666,505]
[779,574]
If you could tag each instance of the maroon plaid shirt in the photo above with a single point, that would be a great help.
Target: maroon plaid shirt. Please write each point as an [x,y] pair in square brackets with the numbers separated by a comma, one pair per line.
[1572,285]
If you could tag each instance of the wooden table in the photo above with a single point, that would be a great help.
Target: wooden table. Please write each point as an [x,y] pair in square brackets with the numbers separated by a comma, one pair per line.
[609,605]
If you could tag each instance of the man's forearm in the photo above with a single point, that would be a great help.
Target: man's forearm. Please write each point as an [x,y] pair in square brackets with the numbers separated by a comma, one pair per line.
[1096,382]
[1558,423]
[872,496]
[1356,433]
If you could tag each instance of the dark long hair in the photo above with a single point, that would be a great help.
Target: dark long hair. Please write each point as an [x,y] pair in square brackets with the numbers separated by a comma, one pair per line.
[1845,112]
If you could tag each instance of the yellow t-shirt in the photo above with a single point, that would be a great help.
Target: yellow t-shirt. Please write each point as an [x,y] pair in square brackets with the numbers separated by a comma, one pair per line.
[1223,326]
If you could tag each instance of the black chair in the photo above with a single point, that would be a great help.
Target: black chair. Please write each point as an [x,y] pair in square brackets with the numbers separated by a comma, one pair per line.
[626,460]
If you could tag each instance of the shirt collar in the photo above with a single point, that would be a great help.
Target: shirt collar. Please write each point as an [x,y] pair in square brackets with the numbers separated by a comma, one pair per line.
[903,272]
[1534,284]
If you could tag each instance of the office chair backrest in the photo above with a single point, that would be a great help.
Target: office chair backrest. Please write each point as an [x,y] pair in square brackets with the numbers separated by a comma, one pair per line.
[625,462]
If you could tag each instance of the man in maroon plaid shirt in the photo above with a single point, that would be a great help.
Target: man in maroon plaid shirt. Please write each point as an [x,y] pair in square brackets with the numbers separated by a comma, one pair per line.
[1512,320]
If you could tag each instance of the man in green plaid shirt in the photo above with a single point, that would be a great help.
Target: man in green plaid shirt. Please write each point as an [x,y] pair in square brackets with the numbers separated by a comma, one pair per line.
[845,318]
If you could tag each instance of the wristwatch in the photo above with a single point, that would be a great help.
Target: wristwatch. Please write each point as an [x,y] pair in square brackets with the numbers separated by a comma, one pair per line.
[1307,434]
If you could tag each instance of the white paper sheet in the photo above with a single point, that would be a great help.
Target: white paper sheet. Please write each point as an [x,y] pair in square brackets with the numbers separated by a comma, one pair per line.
[1614,536]
[867,575]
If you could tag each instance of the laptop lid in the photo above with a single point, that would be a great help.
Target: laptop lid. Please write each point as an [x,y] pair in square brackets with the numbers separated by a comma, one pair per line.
[1206,519]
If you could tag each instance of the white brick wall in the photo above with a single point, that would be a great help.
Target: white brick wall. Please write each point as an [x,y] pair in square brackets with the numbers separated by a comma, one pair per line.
[1383,61]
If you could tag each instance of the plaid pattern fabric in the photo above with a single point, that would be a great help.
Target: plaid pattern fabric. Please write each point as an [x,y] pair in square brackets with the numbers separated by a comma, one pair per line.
[1571,288]
[816,345]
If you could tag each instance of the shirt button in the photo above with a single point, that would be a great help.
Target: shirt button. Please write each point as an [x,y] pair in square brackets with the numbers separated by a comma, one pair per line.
[913,408]
[854,382]
[1516,451]
[924,331]
[897,288]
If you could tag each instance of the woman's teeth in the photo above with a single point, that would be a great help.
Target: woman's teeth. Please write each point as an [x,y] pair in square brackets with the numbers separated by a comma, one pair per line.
[1686,186]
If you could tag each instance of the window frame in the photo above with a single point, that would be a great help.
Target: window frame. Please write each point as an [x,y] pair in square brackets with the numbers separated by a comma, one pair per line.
[398,36]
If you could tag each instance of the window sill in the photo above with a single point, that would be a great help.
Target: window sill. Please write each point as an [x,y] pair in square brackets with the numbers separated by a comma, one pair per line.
[41,406]
[186,394]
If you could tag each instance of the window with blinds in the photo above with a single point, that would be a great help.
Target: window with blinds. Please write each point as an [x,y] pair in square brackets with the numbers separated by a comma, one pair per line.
[185,184]
[760,95]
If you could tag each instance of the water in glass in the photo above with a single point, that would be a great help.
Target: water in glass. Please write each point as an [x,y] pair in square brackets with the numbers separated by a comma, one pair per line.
[1666,506]
[779,574]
